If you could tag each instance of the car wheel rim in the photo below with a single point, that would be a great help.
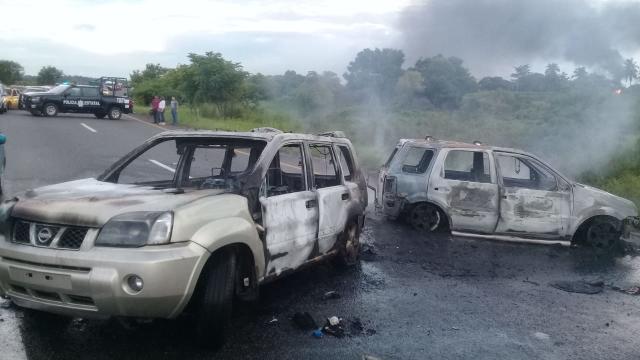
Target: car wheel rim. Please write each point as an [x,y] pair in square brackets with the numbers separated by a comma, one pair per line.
[425,218]
[51,110]
[115,113]
[601,235]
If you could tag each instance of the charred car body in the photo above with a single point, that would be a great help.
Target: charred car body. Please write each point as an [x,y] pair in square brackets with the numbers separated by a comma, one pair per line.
[185,223]
[109,98]
[474,189]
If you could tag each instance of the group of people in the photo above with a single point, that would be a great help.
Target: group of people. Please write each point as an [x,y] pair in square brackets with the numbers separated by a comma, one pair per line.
[158,105]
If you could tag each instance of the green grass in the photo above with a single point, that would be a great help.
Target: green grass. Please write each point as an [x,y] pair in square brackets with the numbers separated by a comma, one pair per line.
[194,119]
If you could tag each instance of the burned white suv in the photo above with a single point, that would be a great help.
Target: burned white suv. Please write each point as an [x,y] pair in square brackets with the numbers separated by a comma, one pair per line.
[187,222]
[478,190]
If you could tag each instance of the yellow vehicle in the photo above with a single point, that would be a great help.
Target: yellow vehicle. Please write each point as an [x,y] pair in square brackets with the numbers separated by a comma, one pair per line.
[12,98]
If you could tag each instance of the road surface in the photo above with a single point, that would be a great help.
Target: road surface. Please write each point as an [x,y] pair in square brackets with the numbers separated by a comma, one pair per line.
[416,296]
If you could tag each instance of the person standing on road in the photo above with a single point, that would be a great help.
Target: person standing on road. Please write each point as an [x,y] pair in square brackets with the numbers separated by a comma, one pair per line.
[161,105]
[154,109]
[174,111]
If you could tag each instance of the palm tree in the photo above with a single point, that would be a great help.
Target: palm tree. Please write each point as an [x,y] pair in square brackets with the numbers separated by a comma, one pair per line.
[630,70]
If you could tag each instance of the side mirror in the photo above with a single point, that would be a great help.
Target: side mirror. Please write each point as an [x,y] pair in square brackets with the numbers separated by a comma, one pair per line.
[3,139]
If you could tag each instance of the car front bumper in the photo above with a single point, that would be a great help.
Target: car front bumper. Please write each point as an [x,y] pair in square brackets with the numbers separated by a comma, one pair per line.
[631,229]
[93,283]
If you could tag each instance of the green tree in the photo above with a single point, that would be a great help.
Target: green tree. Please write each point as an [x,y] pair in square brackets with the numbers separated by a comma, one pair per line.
[446,81]
[375,72]
[150,72]
[494,83]
[212,79]
[630,70]
[579,73]
[10,72]
[49,75]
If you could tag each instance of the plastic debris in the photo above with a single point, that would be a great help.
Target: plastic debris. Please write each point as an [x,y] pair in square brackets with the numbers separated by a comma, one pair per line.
[273,321]
[330,295]
[333,321]
[304,321]
[580,286]
[333,327]
[369,357]
[317,333]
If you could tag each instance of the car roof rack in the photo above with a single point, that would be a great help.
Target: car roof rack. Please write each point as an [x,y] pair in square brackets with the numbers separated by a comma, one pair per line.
[267,130]
[335,134]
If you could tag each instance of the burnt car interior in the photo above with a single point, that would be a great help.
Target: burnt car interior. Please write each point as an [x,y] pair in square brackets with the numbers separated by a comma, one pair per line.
[210,163]
[286,171]
[325,173]
[521,172]
[467,166]
[417,160]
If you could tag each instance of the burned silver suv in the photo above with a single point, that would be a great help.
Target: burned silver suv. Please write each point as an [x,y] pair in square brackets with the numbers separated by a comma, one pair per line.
[478,190]
[188,222]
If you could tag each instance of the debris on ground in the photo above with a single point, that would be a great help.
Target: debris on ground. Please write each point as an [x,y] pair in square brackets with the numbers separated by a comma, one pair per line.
[633,290]
[331,295]
[541,336]
[580,286]
[304,321]
[317,333]
[368,252]
[369,357]
[531,282]
[334,327]
[273,321]
[5,304]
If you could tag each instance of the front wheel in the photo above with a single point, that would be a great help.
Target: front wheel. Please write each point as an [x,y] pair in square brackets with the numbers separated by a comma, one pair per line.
[216,299]
[50,109]
[349,252]
[603,233]
[115,113]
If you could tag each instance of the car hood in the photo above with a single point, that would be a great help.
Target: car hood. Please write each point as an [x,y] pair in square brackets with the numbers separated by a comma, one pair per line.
[587,196]
[92,203]
[36,93]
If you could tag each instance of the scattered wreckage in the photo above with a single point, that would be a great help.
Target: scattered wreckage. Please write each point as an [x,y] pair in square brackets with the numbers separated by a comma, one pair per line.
[186,223]
[501,193]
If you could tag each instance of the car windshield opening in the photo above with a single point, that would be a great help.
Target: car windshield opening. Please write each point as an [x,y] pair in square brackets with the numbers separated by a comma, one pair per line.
[200,163]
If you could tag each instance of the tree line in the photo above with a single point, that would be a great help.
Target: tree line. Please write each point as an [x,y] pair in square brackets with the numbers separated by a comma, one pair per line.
[12,73]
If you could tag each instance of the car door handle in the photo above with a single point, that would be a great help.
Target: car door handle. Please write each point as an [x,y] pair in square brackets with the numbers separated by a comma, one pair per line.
[345,196]
[310,204]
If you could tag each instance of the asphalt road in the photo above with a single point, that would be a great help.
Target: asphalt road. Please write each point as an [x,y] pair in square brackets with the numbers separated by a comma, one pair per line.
[417,297]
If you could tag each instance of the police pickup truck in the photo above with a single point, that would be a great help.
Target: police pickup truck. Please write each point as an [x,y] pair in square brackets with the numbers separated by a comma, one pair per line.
[109,98]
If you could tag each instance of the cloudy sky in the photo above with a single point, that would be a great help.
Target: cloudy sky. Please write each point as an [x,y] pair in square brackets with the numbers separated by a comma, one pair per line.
[113,37]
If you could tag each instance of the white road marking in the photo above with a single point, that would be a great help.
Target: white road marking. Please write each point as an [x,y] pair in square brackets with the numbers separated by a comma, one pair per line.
[89,128]
[163,165]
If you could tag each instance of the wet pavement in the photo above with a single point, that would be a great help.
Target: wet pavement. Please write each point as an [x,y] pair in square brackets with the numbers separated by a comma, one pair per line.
[412,297]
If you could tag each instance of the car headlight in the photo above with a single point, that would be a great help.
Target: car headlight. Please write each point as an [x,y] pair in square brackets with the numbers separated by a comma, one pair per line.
[35,99]
[137,229]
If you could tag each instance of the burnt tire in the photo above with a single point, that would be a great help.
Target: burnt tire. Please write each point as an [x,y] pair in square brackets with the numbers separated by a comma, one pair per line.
[115,113]
[426,218]
[349,251]
[215,305]
[50,109]
[602,233]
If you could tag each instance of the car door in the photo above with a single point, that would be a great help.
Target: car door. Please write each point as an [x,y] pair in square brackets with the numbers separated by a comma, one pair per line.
[289,210]
[465,185]
[534,201]
[71,99]
[90,100]
[332,194]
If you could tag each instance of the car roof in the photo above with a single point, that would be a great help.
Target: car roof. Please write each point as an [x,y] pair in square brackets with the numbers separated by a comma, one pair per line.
[262,135]
[451,144]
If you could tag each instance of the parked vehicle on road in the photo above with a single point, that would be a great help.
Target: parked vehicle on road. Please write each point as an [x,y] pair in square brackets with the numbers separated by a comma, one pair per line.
[187,223]
[27,90]
[12,98]
[473,189]
[109,98]
[3,99]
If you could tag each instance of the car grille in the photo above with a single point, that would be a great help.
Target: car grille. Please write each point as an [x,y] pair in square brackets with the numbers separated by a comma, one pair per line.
[48,235]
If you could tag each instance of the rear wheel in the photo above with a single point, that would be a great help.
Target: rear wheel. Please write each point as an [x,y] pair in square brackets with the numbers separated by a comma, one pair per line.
[426,217]
[115,113]
[349,252]
[50,109]
[216,303]
[602,232]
